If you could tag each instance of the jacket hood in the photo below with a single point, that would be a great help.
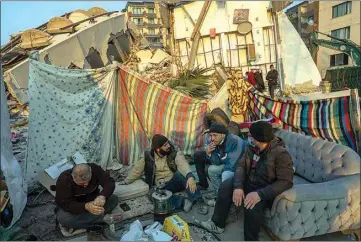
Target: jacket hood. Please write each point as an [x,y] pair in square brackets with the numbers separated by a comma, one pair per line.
[277,142]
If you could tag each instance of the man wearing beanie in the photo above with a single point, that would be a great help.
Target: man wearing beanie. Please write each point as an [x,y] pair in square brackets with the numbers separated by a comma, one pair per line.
[164,165]
[221,154]
[264,171]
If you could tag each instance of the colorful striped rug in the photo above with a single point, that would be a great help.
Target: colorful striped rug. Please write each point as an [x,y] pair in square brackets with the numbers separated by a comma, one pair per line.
[145,108]
[328,119]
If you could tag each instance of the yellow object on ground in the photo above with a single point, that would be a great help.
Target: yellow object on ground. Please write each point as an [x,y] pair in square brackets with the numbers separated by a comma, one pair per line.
[177,228]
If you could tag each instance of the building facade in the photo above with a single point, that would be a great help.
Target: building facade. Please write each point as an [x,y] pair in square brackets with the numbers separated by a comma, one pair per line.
[305,18]
[340,19]
[146,15]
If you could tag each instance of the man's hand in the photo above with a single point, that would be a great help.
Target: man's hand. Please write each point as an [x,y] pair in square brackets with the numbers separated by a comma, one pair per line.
[211,147]
[238,195]
[100,201]
[191,184]
[251,200]
[93,209]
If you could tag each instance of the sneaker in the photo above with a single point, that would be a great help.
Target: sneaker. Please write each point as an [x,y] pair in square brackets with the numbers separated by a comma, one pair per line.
[211,202]
[210,226]
[187,205]
[201,207]
[67,232]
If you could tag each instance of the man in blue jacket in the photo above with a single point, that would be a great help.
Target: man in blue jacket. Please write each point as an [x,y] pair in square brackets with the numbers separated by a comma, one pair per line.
[221,154]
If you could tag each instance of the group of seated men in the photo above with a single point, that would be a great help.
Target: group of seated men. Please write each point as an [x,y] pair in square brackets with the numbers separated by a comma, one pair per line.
[244,173]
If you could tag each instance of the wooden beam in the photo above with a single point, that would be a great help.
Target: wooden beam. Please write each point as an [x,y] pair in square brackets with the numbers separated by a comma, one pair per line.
[88,19]
[201,18]
[196,35]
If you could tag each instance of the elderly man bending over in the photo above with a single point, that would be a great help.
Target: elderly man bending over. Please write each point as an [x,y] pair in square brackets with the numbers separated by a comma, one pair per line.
[80,202]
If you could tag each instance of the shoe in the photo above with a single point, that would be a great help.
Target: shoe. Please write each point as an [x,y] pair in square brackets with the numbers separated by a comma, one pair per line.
[187,205]
[210,226]
[211,202]
[201,207]
[67,232]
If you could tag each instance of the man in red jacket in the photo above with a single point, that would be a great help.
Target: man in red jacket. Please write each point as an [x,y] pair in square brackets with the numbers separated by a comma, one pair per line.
[79,201]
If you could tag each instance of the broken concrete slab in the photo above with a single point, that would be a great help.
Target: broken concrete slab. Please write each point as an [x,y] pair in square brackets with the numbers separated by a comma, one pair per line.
[159,56]
[144,55]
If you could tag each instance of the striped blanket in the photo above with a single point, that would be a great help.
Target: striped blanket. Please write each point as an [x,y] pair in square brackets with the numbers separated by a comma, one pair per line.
[328,119]
[145,108]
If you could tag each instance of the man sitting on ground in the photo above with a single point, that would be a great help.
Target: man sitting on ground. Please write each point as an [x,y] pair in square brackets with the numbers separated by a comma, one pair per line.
[79,201]
[164,165]
[264,172]
[221,154]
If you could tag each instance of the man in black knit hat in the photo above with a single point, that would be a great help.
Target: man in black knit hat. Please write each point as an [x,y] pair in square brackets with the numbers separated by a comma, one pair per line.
[264,172]
[164,165]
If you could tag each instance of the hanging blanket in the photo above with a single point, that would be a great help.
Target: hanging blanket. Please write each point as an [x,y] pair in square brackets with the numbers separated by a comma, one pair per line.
[328,119]
[70,111]
[146,108]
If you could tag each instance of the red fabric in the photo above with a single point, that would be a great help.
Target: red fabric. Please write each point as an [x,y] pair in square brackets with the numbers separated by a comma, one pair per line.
[251,79]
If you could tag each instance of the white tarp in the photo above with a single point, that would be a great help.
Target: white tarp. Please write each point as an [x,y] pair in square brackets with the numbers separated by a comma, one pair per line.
[70,111]
[9,165]
[298,65]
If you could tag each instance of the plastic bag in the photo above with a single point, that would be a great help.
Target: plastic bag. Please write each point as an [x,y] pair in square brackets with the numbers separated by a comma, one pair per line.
[156,226]
[135,233]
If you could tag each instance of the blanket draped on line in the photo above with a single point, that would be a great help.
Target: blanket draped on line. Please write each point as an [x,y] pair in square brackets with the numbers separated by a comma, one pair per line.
[328,119]
[146,108]
[70,111]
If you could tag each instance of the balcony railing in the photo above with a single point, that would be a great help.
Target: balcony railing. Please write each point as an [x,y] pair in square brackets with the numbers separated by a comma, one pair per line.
[153,25]
[150,15]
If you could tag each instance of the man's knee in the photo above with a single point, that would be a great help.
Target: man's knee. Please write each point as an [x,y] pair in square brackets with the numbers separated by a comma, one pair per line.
[199,157]
[111,203]
[214,170]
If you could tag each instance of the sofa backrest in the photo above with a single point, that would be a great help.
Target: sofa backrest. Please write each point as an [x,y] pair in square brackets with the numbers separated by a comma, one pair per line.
[318,160]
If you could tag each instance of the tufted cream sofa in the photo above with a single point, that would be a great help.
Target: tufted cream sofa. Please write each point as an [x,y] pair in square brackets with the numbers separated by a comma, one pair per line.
[325,197]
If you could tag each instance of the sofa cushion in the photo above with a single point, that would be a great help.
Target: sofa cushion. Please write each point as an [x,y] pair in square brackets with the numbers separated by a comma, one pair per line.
[319,160]
[297,180]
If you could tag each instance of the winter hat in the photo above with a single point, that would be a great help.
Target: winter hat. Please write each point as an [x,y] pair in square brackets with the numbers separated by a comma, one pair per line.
[262,131]
[158,141]
[219,128]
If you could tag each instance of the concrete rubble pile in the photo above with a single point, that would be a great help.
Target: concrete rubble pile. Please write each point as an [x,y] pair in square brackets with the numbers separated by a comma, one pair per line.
[19,115]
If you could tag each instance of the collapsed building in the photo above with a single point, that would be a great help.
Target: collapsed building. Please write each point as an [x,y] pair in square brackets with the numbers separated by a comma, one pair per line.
[96,86]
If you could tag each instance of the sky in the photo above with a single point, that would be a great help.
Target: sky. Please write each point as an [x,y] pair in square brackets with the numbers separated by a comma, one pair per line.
[22,15]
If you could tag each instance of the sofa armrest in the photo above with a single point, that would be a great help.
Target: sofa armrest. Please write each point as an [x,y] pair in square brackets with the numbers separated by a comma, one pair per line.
[336,189]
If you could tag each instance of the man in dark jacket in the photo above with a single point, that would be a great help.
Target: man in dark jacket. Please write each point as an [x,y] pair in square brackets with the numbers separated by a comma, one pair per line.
[259,80]
[164,165]
[272,78]
[264,172]
[79,200]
